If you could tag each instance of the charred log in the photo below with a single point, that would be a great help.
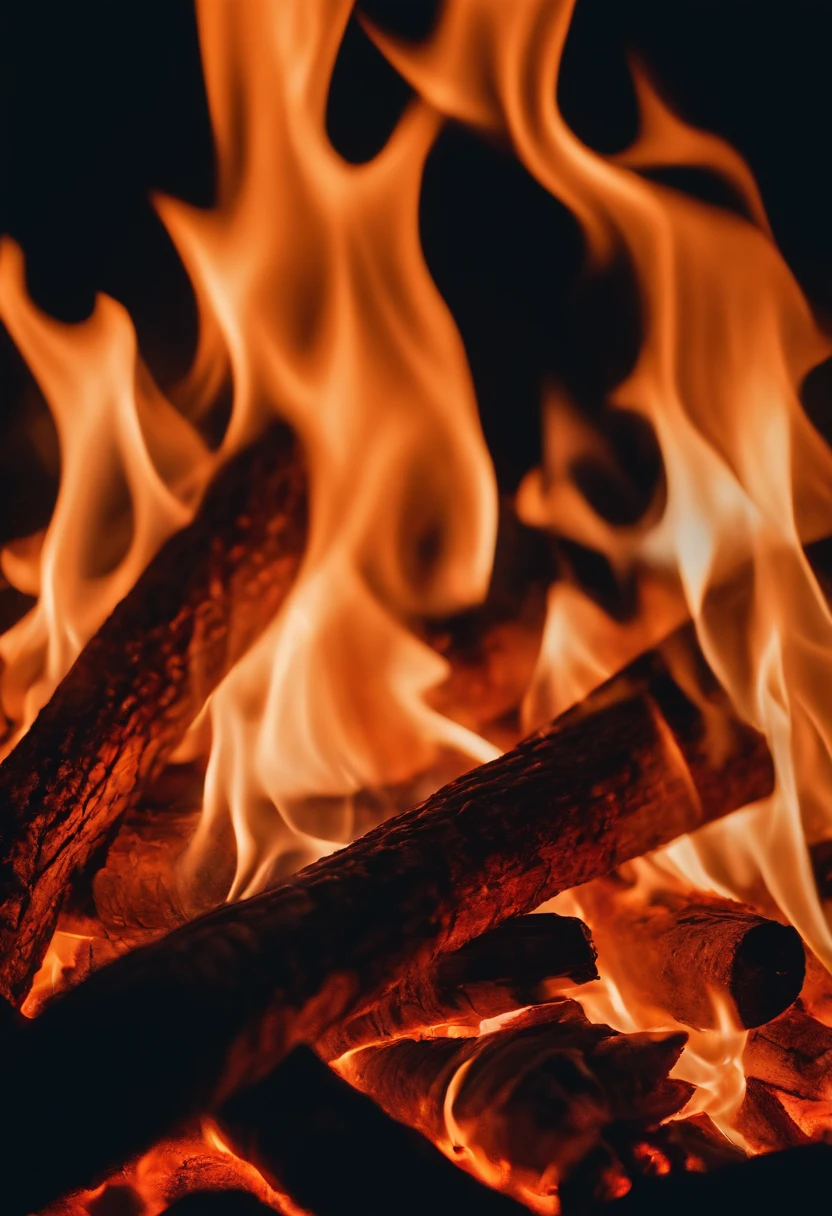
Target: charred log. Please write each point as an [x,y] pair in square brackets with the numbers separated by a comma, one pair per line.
[764,1121]
[331,1149]
[794,1053]
[681,948]
[522,962]
[137,686]
[167,1031]
[534,1100]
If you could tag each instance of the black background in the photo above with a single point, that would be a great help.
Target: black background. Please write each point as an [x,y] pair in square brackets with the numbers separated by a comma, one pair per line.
[102,102]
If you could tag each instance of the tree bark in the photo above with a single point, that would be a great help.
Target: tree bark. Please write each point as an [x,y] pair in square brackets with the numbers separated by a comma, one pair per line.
[138,684]
[170,1029]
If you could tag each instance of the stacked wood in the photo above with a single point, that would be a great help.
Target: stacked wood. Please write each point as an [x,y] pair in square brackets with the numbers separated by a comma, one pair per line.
[137,686]
[530,1102]
[332,1150]
[174,1027]
[522,962]
[680,949]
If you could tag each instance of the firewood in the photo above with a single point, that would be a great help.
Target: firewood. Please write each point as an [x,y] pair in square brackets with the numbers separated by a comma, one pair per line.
[138,684]
[764,1121]
[794,1053]
[332,1150]
[522,962]
[531,1100]
[770,1183]
[168,1030]
[683,948]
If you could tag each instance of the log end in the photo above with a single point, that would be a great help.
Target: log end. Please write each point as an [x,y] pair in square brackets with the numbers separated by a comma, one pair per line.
[768,972]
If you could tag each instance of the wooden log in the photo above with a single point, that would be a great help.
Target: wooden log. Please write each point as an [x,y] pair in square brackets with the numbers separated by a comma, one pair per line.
[764,1121]
[166,1031]
[138,684]
[682,948]
[332,1150]
[793,1053]
[530,1102]
[524,961]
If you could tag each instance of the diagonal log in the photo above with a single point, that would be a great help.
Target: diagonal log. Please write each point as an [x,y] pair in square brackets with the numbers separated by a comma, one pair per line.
[137,686]
[177,1026]
[524,961]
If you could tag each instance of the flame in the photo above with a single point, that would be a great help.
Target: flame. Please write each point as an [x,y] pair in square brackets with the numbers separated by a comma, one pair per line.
[728,340]
[316,304]
[311,277]
[132,470]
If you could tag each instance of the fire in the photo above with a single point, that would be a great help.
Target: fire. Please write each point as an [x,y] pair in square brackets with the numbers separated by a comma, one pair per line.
[316,305]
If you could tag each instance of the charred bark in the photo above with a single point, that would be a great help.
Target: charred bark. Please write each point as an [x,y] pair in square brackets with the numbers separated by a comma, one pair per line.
[138,684]
[524,961]
[679,949]
[167,1031]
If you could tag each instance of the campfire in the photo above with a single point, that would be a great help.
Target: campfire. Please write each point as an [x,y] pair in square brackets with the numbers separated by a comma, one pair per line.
[377,833]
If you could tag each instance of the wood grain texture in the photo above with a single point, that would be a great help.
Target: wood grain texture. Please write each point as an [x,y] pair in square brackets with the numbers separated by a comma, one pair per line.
[138,684]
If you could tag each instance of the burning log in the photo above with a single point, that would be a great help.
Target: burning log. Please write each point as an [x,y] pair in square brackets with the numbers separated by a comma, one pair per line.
[522,962]
[304,1115]
[170,1029]
[793,1053]
[135,689]
[764,1121]
[532,1101]
[759,964]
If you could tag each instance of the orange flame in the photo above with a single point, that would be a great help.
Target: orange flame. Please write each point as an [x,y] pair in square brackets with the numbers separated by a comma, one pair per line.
[316,304]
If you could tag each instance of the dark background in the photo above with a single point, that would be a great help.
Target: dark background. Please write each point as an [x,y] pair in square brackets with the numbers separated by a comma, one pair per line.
[102,102]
